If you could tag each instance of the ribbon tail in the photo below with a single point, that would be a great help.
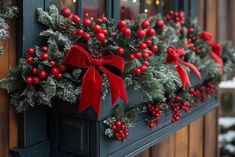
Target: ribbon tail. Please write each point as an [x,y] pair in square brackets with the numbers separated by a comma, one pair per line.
[91,90]
[218,60]
[193,68]
[183,76]
[117,86]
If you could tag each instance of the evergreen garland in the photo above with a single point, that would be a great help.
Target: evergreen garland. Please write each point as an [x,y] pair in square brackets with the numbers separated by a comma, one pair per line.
[6,11]
[145,44]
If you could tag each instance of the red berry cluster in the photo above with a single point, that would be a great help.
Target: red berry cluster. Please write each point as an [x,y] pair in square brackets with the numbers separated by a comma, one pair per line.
[37,75]
[100,32]
[177,17]
[120,130]
[176,107]
[155,112]
[193,44]
[203,92]
[145,47]
[194,93]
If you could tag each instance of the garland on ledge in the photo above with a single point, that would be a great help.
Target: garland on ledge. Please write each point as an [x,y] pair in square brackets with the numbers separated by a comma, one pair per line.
[85,60]
[6,11]
[119,125]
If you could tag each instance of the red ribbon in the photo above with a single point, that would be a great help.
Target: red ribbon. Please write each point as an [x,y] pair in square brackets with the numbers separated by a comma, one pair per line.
[218,60]
[174,57]
[92,81]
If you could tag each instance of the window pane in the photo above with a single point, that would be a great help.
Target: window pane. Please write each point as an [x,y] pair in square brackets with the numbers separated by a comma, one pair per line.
[129,9]
[168,5]
[93,8]
[72,4]
[152,7]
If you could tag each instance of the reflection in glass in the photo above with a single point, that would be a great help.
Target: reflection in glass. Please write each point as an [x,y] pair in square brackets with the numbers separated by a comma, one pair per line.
[152,7]
[93,8]
[72,4]
[129,9]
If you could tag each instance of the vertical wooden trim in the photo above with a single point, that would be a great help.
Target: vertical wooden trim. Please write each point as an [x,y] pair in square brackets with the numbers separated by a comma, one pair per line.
[196,138]
[181,142]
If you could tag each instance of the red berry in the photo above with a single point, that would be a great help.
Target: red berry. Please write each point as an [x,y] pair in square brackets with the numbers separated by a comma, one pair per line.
[104,19]
[148,42]
[118,123]
[143,68]
[150,32]
[191,30]
[76,19]
[160,23]
[44,48]
[36,80]
[138,54]
[52,63]
[142,46]
[151,125]
[59,76]
[145,24]
[146,63]
[86,36]
[117,135]
[137,71]
[104,31]
[55,71]
[105,41]
[80,32]
[126,134]
[145,55]
[154,48]
[114,127]
[97,28]
[150,53]
[123,127]
[132,57]
[140,33]
[74,33]
[44,56]
[35,70]
[122,24]
[29,80]
[126,32]
[43,74]
[86,22]
[62,68]
[66,12]
[100,36]
[120,51]
[31,51]
[30,60]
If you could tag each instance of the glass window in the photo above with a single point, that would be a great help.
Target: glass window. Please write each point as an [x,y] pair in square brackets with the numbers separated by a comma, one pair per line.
[129,9]
[152,7]
[168,5]
[72,4]
[93,8]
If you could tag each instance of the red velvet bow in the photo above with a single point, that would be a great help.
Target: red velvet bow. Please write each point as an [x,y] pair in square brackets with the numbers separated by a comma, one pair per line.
[215,53]
[92,81]
[174,57]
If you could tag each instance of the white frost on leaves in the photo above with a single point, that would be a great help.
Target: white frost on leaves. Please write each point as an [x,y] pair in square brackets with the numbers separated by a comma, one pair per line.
[230,148]
[228,84]
[227,137]
[226,121]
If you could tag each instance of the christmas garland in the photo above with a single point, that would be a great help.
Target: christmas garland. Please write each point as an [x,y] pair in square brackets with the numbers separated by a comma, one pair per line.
[91,58]
[6,11]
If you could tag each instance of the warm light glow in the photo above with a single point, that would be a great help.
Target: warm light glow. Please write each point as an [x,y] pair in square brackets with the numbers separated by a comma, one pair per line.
[157,2]
[134,1]
[74,1]
[148,2]
[145,10]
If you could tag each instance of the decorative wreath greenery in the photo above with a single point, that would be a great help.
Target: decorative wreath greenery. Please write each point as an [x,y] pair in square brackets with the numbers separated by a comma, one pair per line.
[151,54]
[6,11]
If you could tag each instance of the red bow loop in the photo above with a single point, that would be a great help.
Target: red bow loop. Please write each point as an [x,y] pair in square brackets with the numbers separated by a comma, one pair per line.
[92,81]
[218,60]
[174,57]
